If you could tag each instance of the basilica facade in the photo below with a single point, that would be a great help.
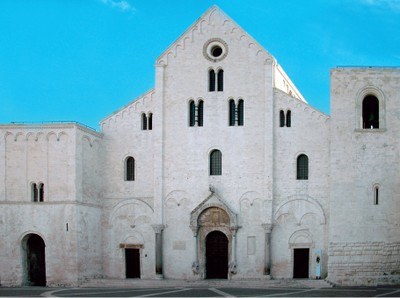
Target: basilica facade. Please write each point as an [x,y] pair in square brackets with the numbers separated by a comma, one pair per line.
[223,170]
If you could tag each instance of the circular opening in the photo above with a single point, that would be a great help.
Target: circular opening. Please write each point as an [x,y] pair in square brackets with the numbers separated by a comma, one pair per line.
[216,51]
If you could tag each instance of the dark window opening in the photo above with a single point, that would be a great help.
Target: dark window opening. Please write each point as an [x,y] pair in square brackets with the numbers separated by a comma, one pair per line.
[34,192]
[192,112]
[215,163]
[376,196]
[200,113]
[130,169]
[144,121]
[302,167]
[211,80]
[288,118]
[41,192]
[232,112]
[216,51]
[240,112]
[150,126]
[370,112]
[220,80]
[281,118]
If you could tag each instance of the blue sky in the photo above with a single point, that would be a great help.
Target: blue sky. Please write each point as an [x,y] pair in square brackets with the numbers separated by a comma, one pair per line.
[80,60]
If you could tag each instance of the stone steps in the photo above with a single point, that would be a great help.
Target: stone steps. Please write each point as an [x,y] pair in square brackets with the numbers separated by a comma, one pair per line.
[209,283]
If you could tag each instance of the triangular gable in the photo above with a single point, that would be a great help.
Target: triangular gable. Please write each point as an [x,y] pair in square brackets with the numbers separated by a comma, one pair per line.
[213,15]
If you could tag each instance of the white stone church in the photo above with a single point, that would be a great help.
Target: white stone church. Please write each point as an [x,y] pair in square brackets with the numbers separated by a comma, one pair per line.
[223,170]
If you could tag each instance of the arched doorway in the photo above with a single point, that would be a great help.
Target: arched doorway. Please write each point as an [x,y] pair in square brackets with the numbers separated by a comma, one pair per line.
[34,260]
[216,255]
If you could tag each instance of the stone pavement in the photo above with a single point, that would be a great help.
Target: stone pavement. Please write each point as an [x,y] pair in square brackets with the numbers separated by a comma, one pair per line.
[207,283]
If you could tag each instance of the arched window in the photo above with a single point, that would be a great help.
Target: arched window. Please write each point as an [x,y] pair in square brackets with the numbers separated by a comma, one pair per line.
[220,80]
[370,112]
[240,112]
[211,80]
[302,167]
[34,192]
[281,118]
[41,192]
[376,195]
[288,118]
[192,112]
[215,162]
[232,112]
[150,126]
[144,121]
[200,106]
[130,169]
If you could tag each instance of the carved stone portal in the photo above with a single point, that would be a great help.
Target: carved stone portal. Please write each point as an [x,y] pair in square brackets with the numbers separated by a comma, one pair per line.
[213,214]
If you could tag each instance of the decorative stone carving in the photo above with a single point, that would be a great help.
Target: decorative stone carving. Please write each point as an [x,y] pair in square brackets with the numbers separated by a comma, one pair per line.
[195,267]
[233,267]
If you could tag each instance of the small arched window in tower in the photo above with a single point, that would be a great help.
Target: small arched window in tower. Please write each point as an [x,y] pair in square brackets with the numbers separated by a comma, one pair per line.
[220,80]
[240,112]
[211,80]
[192,113]
[34,192]
[144,121]
[288,118]
[130,169]
[376,195]
[302,167]
[200,107]
[41,192]
[215,163]
[232,112]
[281,118]
[370,112]
[150,121]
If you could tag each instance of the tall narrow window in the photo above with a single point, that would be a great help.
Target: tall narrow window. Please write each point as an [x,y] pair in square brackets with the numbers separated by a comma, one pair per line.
[215,163]
[240,112]
[370,112]
[281,118]
[34,192]
[150,121]
[130,169]
[41,192]
[220,80]
[288,118]
[232,112]
[200,106]
[144,121]
[376,195]
[302,167]
[211,80]
[192,113]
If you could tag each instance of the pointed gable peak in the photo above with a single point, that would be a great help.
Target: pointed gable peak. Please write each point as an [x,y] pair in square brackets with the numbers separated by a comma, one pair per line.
[214,16]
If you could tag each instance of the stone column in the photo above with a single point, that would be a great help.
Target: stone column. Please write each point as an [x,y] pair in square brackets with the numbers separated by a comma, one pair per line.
[158,229]
[233,265]
[195,264]
[267,252]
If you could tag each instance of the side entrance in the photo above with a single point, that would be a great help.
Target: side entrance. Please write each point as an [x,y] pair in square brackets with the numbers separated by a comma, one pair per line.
[132,262]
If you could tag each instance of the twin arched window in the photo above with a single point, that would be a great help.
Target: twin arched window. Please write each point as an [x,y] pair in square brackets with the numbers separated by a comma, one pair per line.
[147,121]
[37,192]
[196,113]
[215,163]
[215,80]
[129,169]
[236,112]
[285,120]
[302,167]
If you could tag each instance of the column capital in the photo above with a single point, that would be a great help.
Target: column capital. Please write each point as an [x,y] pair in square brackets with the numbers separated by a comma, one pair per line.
[158,228]
[234,229]
[267,228]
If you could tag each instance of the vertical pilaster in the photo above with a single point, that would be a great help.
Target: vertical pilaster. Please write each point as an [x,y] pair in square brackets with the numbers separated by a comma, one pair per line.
[158,229]
[267,252]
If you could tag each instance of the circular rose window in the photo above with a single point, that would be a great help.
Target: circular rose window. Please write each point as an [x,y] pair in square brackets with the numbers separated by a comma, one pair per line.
[215,49]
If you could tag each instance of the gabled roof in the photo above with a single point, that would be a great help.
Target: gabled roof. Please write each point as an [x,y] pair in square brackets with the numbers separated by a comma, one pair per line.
[212,15]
